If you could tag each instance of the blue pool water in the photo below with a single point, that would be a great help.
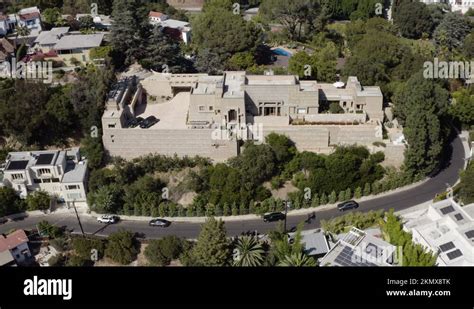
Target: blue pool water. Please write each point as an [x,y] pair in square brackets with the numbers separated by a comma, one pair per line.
[282,52]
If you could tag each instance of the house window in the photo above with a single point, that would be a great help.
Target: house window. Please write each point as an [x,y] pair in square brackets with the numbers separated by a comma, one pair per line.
[202,108]
[43,171]
[17,176]
[72,187]
[36,180]
[74,196]
[55,179]
[211,108]
[111,126]
[46,180]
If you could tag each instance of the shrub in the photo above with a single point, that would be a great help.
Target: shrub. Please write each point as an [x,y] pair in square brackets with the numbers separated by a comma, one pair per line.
[357,219]
[60,244]
[315,201]
[358,193]
[48,230]
[39,200]
[235,210]
[348,194]
[324,199]
[57,260]
[83,247]
[122,247]
[342,196]
[161,252]
[379,144]
[367,189]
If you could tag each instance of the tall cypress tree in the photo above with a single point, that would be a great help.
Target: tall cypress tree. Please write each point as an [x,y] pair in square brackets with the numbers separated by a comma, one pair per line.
[212,247]
[130,29]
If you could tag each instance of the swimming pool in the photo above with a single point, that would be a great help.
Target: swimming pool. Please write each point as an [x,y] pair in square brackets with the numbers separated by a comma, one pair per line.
[281,52]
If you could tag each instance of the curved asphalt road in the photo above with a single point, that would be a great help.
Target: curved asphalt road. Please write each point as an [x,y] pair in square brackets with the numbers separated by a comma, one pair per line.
[398,201]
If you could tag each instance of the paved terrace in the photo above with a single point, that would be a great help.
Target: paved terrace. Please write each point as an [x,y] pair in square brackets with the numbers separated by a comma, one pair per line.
[172,114]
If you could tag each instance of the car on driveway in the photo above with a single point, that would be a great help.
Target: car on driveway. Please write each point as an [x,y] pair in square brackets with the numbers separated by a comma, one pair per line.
[148,122]
[160,222]
[108,219]
[347,205]
[274,216]
[135,122]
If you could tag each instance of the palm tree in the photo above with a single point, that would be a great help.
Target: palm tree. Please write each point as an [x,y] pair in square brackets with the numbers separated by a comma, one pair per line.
[248,252]
[297,260]
[22,31]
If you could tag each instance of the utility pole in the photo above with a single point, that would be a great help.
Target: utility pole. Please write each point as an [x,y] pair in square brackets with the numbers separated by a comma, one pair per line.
[78,219]
[287,205]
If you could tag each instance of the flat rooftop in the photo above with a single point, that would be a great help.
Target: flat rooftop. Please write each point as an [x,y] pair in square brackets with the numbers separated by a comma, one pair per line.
[268,80]
[172,114]
[22,160]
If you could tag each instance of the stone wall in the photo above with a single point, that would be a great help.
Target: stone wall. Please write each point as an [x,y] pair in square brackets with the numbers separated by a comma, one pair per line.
[133,143]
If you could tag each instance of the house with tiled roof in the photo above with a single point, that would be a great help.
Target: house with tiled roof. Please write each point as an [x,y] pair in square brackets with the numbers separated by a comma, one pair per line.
[16,244]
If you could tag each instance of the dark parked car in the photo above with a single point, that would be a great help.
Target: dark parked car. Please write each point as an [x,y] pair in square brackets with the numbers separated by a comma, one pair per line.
[274,216]
[135,122]
[148,122]
[159,222]
[347,205]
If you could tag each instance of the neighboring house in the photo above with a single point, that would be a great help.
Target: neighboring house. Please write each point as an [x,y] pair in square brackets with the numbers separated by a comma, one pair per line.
[77,46]
[4,27]
[27,17]
[456,5]
[7,50]
[47,40]
[358,248]
[30,18]
[315,243]
[157,18]
[103,22]
[177,29]
[6,259]
[445,228]
[16,244]
[61,173]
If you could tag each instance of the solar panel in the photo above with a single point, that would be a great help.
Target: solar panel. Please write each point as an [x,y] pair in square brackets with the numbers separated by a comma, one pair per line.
[447,210]
[470,234]
[454,254]
[45,159]
[353,237]
[17,165]
[459,217]
[346,258]
[447,246]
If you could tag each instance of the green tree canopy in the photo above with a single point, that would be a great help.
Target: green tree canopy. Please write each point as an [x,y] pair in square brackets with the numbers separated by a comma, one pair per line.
[212,247]
[122,247]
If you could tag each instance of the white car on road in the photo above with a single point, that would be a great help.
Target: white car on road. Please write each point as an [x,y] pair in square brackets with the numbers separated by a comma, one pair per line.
[109,219]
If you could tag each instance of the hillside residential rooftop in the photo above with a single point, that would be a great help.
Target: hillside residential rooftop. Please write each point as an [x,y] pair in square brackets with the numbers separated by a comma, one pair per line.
[447,229]
[359,248]
[61,173]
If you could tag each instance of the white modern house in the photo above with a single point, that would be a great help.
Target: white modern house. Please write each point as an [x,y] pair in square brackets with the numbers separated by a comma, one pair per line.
[27,17]
[61,173]
[446,228]
[358,248]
